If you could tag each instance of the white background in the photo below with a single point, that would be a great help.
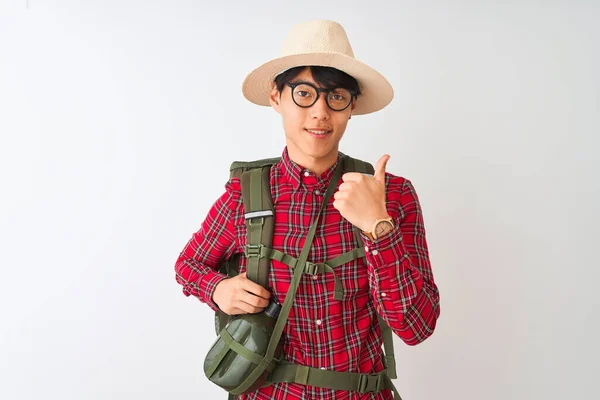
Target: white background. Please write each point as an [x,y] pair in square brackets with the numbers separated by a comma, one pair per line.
[119,120]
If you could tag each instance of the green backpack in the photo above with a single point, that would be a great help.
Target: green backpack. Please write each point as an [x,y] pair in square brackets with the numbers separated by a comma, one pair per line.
[259,215]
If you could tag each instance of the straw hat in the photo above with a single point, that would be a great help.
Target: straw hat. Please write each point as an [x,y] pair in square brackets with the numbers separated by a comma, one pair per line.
[322,43]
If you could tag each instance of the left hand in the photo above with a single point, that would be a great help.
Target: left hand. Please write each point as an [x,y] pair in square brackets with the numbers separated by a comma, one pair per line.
[361,199]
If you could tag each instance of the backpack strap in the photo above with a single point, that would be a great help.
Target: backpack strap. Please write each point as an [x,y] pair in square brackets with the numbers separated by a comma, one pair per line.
[337,380]
[356,165]
[238,167]
[259,214]
[259,222]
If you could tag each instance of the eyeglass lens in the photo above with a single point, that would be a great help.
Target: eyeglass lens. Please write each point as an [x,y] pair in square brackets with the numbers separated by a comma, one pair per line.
[305,96]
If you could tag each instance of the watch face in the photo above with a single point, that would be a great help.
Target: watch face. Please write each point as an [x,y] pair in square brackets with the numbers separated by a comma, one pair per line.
[382,227]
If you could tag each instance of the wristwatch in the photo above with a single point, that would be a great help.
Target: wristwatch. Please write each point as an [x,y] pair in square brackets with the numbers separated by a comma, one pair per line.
[380,227]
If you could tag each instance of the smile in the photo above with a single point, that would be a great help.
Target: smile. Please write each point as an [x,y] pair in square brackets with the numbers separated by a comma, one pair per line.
[319,132]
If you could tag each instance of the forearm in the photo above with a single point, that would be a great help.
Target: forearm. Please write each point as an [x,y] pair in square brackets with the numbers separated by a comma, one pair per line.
[197,279]
[196,268]
[403,296]
[400,273]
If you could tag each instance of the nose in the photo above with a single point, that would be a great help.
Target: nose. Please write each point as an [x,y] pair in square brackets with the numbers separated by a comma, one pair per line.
[320,110]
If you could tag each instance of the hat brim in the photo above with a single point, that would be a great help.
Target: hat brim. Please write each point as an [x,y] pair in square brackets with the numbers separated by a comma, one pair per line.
[376,90]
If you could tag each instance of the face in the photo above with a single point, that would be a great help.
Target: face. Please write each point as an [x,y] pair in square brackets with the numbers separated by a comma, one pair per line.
[310,149]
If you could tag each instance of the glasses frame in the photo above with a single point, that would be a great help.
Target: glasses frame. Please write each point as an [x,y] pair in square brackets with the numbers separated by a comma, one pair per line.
[319,91]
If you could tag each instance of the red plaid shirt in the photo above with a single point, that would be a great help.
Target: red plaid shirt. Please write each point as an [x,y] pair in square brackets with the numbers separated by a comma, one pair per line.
[396,281]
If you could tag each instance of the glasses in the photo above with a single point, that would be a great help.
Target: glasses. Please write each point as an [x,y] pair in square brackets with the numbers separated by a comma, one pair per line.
[306,94]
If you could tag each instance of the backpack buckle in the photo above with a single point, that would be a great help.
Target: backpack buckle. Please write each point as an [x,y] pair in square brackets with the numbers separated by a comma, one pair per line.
[256,221]
[311,268]
[257,218]
[371,383]
[253,250]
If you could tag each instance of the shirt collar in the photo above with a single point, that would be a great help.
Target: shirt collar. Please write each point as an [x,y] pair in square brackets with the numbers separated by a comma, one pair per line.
[301,177]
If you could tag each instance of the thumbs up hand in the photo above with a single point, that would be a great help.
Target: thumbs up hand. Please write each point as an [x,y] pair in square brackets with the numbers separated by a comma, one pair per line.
[361,199]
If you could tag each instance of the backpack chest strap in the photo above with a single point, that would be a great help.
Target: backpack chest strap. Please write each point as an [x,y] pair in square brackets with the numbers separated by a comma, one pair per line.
[256,251]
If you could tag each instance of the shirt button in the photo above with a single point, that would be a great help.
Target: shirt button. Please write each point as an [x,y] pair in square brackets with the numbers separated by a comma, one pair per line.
[319,322]
[383,294]
[315,277]
[317,192]
[306,173]
[374,252]
[366,249]
[323,368]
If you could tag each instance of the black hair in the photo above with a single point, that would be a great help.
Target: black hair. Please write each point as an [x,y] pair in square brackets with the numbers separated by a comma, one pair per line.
[328,77]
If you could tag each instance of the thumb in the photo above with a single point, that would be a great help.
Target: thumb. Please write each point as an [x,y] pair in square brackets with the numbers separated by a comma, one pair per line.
[380,168]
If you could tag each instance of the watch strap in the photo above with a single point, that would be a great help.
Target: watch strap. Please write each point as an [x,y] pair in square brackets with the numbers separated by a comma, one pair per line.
[372,234]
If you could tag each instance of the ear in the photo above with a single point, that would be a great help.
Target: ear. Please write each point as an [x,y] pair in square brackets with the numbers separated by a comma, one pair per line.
[352,107]
[275,98]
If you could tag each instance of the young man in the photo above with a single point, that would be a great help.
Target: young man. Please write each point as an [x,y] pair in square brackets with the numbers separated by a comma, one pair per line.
[394,281]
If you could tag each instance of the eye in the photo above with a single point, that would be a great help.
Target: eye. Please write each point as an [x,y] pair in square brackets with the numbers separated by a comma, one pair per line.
[303,93]
[339,95]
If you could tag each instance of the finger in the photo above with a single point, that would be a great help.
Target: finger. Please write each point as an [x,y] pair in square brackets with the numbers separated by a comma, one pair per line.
[253,287]
[256,289]
[243,276]
[237,311]
[352,177]
[247,308]
[253,300]
[340,195]
[338,204]
[380,168]
[346,186]
[234,311]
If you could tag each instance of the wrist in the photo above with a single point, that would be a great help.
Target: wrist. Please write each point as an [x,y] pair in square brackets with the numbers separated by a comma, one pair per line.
[368,222]
[380,227]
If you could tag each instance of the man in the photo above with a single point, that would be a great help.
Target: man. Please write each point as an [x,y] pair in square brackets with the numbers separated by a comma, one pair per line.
[394,280]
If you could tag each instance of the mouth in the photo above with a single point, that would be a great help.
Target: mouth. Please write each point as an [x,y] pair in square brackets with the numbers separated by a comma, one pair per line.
[318,132]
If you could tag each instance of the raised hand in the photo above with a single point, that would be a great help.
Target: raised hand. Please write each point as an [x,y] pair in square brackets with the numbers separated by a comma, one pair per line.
[361,199]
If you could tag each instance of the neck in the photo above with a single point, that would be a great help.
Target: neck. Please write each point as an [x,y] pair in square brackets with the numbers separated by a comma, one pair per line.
[317,165]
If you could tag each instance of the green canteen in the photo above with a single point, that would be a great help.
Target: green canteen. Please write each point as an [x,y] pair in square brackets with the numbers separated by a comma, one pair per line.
[227,368]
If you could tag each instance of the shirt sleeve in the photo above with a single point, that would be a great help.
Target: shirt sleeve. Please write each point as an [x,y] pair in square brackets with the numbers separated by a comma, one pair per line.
[400,275]
[215,241]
